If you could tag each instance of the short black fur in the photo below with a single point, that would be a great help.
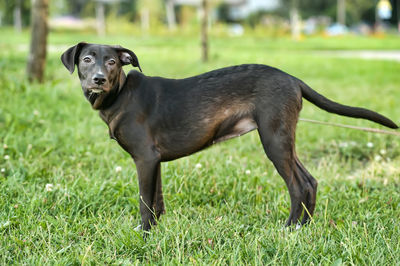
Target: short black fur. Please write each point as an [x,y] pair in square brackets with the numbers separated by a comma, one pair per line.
[156,119]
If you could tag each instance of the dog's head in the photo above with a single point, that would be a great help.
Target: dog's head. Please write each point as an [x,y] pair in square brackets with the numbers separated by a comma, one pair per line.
[99,68]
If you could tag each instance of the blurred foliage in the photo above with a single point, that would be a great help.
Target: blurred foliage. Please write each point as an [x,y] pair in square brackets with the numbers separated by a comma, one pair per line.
[155,8]
[128,9]
[131,10]
[356,10]
[7,8]
[76,7]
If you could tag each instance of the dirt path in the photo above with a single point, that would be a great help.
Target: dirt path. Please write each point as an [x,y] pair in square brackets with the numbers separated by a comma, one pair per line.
[392,55]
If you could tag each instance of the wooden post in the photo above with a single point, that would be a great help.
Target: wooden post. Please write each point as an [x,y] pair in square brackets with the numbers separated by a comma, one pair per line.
[204,31]
[39,28]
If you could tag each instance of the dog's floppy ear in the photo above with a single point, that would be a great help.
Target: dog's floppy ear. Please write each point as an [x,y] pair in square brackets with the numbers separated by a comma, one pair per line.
[127,57]
[70,57]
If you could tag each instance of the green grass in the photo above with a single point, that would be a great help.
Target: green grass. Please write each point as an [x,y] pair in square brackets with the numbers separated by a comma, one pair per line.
[216,213]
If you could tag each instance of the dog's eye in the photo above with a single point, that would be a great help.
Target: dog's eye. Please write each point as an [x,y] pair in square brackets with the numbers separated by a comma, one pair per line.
[111,62]
[87,59]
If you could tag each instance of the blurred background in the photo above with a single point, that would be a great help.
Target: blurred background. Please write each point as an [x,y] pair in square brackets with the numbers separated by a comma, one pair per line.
[237,17]
[298,19]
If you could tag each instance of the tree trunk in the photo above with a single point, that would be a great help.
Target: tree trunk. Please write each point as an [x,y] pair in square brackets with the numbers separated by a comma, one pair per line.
[17,16]
[37,55]
[295,20]
[170,10]
[341,12]
[100,19]
[204,31]
[145,19]
[398,15]
[295,23]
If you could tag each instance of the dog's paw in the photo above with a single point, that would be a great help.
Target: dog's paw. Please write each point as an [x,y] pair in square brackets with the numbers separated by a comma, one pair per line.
[138,228]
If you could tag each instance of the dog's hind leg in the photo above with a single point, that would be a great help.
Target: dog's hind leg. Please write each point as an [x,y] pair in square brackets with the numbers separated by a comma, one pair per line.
[278,139]
[158,200]
[311,190]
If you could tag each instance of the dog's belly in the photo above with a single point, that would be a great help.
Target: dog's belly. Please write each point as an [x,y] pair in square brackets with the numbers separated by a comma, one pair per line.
[184,144]
[240,127]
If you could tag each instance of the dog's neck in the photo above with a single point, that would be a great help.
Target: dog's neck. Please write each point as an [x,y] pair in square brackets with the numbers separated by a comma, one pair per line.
[121,102]
[108,111]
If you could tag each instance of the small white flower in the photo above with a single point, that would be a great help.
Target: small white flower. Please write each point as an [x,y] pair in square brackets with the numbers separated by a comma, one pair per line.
[36,112]
[248,172]
[49,187]
[118,169]
[5,146]
[378,158]
[343,144]
[6,157]
[370,144]
[3,170]
[198,166]
[382,151]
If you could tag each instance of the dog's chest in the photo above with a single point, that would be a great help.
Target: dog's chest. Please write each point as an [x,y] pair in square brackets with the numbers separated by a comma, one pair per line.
[112,123]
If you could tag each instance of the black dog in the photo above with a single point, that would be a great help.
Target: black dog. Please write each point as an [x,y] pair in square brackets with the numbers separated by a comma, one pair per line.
[156,119]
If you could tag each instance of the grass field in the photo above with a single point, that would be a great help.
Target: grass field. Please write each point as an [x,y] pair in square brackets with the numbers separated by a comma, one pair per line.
[69,194]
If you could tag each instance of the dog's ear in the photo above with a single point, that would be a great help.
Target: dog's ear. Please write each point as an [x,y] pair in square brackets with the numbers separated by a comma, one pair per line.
[127,57]
[70,57]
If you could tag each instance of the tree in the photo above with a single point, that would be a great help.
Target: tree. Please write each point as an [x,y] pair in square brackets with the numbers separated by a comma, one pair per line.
[341,12]
[100,18]
[295,19]
[37,55]
[15,12]
[17,16]
[204,31]
[170,12]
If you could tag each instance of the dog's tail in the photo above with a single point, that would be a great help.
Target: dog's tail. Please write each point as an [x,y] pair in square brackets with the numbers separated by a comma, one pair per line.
[340,109]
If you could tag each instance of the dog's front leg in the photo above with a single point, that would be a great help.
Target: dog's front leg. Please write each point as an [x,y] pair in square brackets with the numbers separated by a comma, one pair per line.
[148,174]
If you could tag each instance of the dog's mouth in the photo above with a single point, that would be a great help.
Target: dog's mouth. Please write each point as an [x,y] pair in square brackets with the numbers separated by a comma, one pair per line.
[96,90]
[93,93]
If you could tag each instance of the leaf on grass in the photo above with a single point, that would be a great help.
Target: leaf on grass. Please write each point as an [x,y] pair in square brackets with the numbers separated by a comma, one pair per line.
[332,223]
[363,200]
[337,262]
[5,224]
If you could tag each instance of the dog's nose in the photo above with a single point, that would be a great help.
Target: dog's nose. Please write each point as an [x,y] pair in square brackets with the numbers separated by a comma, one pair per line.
[99,79]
